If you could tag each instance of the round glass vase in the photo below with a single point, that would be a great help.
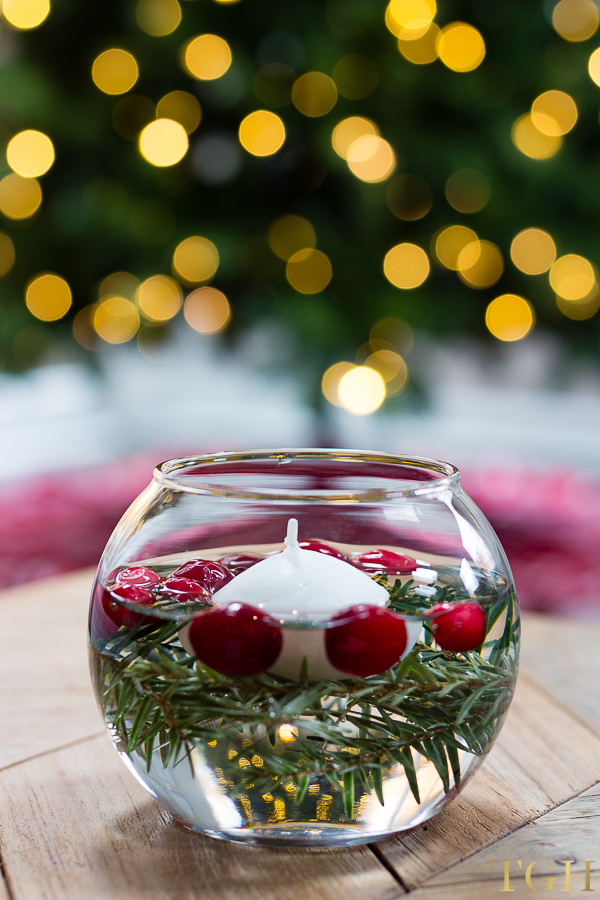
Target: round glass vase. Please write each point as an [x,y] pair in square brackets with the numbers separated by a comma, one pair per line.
[303,647]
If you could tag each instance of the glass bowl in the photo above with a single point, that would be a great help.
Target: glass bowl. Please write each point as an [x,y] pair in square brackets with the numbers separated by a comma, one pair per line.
[303,647]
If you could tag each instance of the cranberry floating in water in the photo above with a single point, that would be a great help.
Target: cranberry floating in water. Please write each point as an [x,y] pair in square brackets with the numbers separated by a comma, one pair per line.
[239,562]
[184,589]
[369,641]
[133,594]
[137,575]
[458,626]
[320,547]
[236,639]
[211,575]
[384,561]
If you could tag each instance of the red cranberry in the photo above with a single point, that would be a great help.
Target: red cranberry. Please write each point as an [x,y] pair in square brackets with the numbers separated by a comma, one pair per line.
[384,561]
[211,575]
[320,547]
[458,626]
[240,562]
[236,639]
[369,641]
[138,575]
[133,594]
[184,589]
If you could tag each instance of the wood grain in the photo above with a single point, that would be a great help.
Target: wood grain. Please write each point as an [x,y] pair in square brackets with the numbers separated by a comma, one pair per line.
[569,832]
[563,656]
[46,700]
[542,758]
[77,826]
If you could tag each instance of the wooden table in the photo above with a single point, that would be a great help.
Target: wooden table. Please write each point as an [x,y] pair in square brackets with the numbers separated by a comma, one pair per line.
[74,824]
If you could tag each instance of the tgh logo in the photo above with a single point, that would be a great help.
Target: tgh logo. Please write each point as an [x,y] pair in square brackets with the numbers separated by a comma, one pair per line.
[528,874]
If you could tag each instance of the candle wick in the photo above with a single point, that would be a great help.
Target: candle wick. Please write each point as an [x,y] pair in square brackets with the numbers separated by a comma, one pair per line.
[291,538]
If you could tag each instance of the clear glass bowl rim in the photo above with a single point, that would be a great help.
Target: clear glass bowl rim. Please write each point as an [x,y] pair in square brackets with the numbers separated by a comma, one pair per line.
[170,474]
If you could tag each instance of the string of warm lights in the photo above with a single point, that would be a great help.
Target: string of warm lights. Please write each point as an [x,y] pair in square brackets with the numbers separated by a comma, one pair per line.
[127,307]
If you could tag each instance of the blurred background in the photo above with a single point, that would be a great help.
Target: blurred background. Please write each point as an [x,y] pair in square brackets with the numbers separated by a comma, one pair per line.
[232,224]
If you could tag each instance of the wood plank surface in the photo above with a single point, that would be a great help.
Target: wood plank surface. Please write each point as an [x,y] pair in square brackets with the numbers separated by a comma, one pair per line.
[569,832]
[75,824]
[45,701]
[563,656]
[543,757]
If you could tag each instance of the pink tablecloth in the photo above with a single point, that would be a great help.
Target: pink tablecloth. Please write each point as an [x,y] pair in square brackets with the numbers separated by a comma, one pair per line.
[548,522]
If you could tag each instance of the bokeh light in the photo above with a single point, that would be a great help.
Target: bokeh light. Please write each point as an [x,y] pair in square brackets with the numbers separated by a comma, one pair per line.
[361,390]
[349,130]
[119,284]
[392,369]
[579,310]
[48,297]
[330,383]
[163,142]
[355,76]
[422,49]
[480,264]
[30,153]
[369,348]
[182,107]
[406,266]
[207,310]
[7,254]
[371,158]
[531,141]
[289,234]
[467,190]
[460,47]
[308,271]
[207,57]
[402,16]
[196,259]
[572,277]
[19,197]
[533,251]
[262,133]
[158,17]
[159,298]
[509,317]
[575,20]
[394,331]
[83,327]
[450,242]
[409,197]
[554,113]
[116,320]
[314,94]
[25,14]
[287,733]
[115,71]
[594,66]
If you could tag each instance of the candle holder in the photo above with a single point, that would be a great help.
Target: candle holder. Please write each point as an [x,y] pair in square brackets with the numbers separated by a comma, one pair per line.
[303,647]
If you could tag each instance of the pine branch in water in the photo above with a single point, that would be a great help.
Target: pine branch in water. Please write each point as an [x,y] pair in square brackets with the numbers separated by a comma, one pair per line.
[431,703]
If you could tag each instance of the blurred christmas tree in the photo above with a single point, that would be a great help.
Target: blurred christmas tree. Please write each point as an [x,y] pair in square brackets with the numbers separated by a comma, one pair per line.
[352,168]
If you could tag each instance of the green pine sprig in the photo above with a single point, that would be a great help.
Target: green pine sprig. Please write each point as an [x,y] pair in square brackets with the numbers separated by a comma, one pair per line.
[434,703]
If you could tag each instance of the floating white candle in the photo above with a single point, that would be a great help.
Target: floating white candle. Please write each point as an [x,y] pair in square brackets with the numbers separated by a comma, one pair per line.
[308,588]
[302,584]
